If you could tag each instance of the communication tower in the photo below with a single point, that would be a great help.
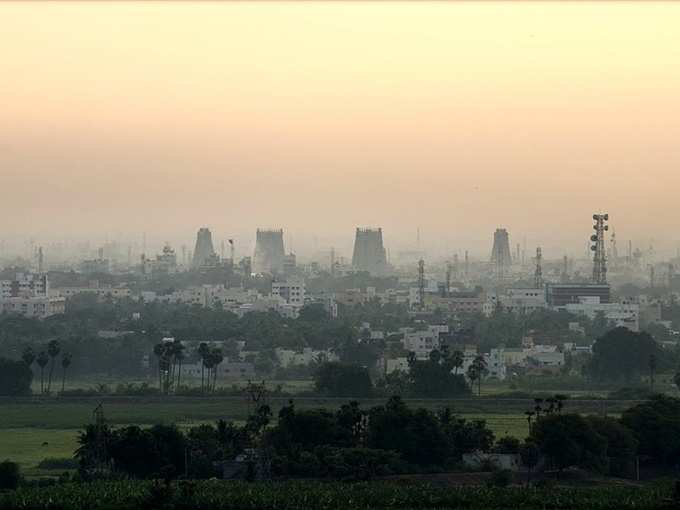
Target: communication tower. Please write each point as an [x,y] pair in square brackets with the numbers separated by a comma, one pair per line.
[538,273]
[599,256]
[421,283]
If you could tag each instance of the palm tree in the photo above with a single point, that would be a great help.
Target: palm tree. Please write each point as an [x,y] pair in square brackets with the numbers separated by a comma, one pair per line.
[42,360]
[208,364]
[53,350]
[477,371]
[202,351]
[65,363]
[28,356]
[457,359]
[179,356]
[217,358]
[652,371]
[159,351]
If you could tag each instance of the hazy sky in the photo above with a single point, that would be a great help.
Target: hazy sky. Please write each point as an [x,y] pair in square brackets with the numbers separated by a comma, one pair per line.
[318,117]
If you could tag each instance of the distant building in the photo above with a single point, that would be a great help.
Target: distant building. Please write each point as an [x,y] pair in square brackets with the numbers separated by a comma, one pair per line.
[226,369]
[369,253]
[269,256]
[292,291]
[500,252]
[204,252]
[625,315]
[95,266]
[165,263]
[560,294]
[28,295]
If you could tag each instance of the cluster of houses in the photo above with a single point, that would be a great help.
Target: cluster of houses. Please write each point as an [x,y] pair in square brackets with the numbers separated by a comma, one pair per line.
[500,362]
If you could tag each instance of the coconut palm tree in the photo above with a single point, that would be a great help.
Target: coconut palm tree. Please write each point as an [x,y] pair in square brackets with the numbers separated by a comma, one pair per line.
[457,359]
[179,357]
[42,360]
[477,371]
[203,351]
[53,350]
[65,363]
[217,358]
[160,351]
[28,356]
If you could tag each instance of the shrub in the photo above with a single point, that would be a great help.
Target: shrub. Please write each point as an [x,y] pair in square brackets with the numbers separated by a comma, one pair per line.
[15,377]
[10,475]
[500,478]
[58,463]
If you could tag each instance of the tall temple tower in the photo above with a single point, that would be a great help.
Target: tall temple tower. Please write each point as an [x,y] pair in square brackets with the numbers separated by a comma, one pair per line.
[369,253]
[500,253]
[204,253]
[269,253]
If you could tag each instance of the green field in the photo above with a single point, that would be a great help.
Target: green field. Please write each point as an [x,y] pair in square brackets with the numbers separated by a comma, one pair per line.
[32,429]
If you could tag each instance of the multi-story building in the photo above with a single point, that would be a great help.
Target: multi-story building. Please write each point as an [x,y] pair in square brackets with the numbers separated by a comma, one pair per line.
[626,314]
[28,294]
[292,291]
[25,285]
[558,295]
[523,301]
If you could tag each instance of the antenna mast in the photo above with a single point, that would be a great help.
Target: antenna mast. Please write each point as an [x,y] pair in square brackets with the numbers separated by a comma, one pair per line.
[538,274]
[599,256]
[421,283]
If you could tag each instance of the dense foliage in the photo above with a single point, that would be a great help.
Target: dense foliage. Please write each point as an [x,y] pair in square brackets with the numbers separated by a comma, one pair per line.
[623,355]
[15,378]
[339,380]
[218,495]
[656,426]
[350,442]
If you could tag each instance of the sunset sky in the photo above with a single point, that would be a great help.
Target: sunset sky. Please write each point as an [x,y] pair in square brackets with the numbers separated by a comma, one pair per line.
[122,118]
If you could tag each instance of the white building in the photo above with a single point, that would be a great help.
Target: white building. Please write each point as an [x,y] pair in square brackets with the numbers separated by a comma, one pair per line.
[625,315]
[289,357]
[28,294]
[421,342]
[292,291]
[231,370]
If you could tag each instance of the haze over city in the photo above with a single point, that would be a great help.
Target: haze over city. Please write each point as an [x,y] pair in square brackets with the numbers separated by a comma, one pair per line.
[455,118]
[339,254]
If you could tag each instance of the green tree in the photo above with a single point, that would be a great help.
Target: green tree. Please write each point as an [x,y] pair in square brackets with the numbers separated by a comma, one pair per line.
[53,350]
[477,371]
[28,356]
[203,351]
[15,377]
[570,440]
[42,360]
[656,426]
[415,434]
[10,475]
[434,377]
[622,355]
[66,359]
[341,380]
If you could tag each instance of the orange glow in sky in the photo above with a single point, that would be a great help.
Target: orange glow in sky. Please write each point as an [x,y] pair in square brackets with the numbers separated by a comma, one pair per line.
[318,117]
